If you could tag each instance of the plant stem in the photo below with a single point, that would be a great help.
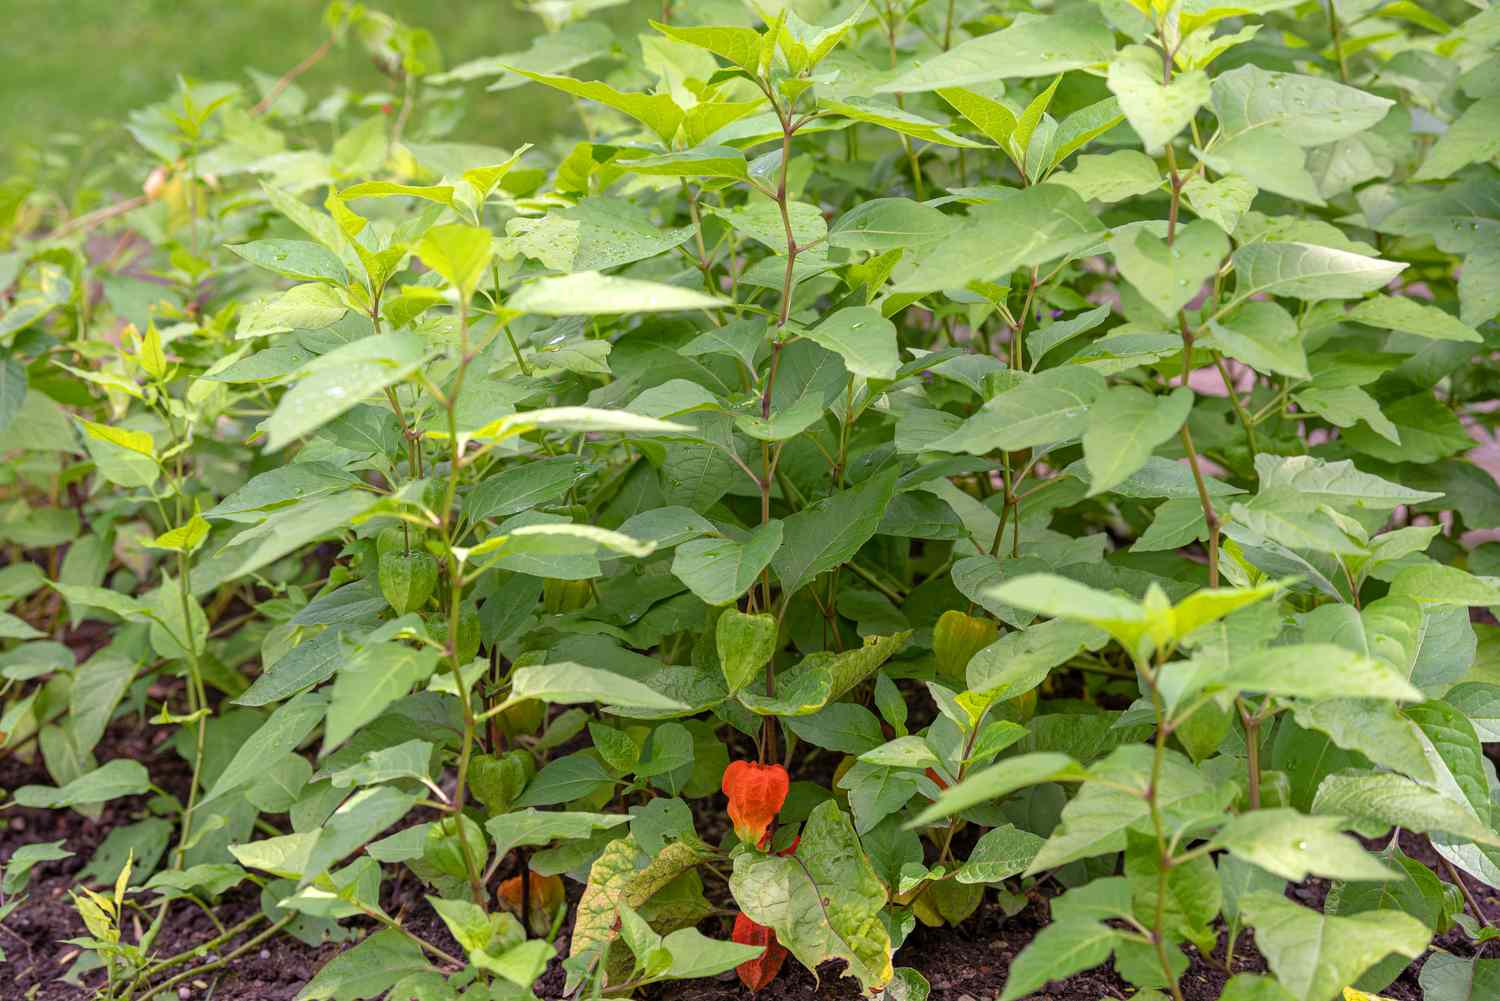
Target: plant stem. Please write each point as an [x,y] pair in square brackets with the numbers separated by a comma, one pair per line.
[1337,34]
[264,104]
[1164,855]
[198,950]
[1463,887]
[1210,516]
[225,959]
[197,701]
[396,926]
[1252,748]
[1239,407]
[455,607]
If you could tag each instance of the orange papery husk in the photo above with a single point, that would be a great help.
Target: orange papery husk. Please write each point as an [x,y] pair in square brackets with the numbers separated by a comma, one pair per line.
[760,971]
[545,897]
[755,793]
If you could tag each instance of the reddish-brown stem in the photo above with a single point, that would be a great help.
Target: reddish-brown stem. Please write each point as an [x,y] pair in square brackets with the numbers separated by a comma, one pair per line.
[264,104]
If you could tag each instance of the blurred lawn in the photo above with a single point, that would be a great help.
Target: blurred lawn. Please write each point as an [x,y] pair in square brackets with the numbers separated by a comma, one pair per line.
[72,66]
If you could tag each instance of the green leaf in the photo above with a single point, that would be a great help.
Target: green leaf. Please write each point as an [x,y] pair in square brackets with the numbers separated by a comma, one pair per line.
[890,116]
[1294,846]
[1037,46]
[1020,660]
[1112,177]
[366,971]
[299,260]
[998,855]
[1169,276]
[695,955]
[409,760]
[658,112]
[564,780]
[839,726]
[1299,109]
[720,570]
[864,338]
[1428,432]
[1314,956]
[1446,977]
[888,223]
[1394,312]
[823,902]
[1437,584]
[440,194]
[700,161]
[740,46]
[569,683]
[1340,485]
[588,293]
[1059,950]
[1001,780]
[1396,800]
[1472,137]
[1052,406]
[618,877]
[986,114]
[1478,287]
[340,380]
[575,420]
[1157,111]
[829,532]
[531,827]
[13,386]
[1308,271]
[596,234]
[798,692]
[1111,802]
[27,857]
[285,531]
[126,458]
[1125,426]
[1021,228]
[745,645]
[377,675]
[1345,406]
[101,683]
[120,777]
[282,732]
[459,253]
[1254,987]
[1282,670]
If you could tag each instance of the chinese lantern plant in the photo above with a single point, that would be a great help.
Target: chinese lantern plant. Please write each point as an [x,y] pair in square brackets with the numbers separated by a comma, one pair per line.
[874,470]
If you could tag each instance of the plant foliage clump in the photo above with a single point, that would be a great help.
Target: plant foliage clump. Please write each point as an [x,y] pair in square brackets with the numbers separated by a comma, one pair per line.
[908,459]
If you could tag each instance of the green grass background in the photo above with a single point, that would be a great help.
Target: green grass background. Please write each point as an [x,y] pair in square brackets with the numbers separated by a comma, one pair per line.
[77,66]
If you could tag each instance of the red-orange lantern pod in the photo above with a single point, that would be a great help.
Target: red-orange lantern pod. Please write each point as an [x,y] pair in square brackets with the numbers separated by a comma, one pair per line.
[756,973]
[755,793]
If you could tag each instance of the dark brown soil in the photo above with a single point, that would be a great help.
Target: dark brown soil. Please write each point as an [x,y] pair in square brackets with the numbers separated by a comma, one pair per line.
[968,963]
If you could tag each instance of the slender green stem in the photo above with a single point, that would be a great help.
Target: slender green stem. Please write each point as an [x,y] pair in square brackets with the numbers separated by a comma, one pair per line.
[385,919]
[1252,749]
[202,949]
[1239,407]
[1336,32]
[455,609]
[1210,516]
[1463,888]
[223,960]
[1158,823]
